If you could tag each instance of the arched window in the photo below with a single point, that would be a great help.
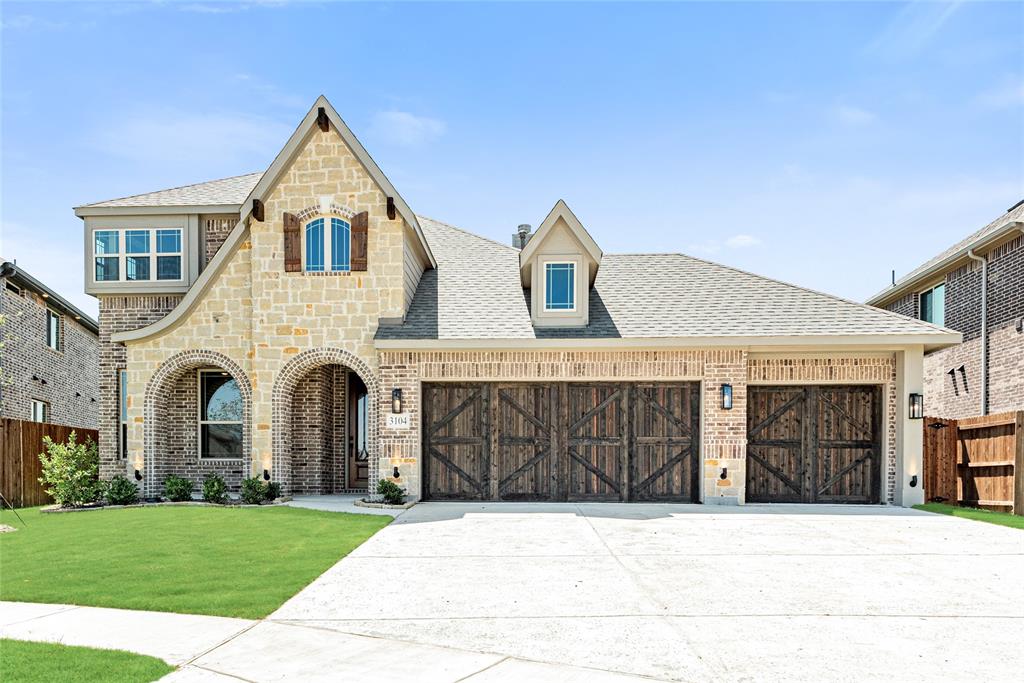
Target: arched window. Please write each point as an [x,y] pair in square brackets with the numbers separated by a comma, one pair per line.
[327,249]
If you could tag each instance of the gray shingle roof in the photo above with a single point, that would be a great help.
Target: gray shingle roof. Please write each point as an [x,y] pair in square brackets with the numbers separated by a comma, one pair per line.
[232,190]
[475,293]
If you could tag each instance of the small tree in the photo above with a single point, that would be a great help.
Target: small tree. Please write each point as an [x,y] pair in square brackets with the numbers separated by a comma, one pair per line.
[70,470]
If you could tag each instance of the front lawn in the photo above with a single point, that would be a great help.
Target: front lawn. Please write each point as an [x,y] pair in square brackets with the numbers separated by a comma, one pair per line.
[1000,518]
[23,662]
[237,562]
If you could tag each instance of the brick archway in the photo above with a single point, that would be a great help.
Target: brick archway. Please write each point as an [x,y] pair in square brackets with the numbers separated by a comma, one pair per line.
[159,393]
[283,395]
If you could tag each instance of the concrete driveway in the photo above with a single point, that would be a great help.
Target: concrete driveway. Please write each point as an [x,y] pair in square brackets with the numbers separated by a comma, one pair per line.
[690,593]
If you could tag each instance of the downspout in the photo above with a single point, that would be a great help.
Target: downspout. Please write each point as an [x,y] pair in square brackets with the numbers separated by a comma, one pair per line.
[984,328]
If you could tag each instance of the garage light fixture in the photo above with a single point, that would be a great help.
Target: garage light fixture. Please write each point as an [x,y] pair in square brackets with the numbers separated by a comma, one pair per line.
[726,397]
[916,407]
[396,401]
[266,475]
[138,475]
[913,481]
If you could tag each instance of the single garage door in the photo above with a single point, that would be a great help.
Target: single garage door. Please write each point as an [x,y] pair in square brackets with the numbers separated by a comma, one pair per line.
[561,441]
[814,444]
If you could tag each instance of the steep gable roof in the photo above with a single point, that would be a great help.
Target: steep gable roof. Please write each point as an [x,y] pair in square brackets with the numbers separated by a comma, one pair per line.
[561,210]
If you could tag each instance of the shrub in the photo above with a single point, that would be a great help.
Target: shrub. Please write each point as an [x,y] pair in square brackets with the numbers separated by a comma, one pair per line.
[254,491]
[122,491]
[177,488]
[70,470]
[214,489]
[273,490]
[393,493]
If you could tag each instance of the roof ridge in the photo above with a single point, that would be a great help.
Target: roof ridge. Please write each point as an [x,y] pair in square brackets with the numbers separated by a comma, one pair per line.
[466,232]
[171,189]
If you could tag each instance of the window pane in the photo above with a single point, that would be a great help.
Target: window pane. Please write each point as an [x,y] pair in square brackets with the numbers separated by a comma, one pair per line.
[559,289]
[221,399]
[136,268]
[926,306]
[168,267]
[315,246]
[123,381]
[106,268]
[124,441]
[939,305]
[136,241]
[221,441]
[340,233]
[168,241]
[106,242]
[53,330]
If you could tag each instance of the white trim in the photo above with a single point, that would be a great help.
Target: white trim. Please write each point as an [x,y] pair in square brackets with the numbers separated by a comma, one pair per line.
[122,255]
[560,210]
[328,228]
[200,421]
[44,408]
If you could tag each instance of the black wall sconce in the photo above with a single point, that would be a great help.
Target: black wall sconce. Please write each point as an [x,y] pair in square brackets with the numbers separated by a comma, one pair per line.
[916,407]
[724,474]
[913,481]
[396,401]
[726,397]
[138,475]
[396,474]
[266,475]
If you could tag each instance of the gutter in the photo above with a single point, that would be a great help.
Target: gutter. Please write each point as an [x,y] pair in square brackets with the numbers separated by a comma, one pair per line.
[984,327]
[10,270]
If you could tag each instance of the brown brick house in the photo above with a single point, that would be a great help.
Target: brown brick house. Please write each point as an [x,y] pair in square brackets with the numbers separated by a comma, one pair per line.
[304,324]
[975,287]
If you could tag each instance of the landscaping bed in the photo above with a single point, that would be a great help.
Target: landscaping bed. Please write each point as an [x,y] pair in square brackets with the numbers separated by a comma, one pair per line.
[25,662]
[238,561]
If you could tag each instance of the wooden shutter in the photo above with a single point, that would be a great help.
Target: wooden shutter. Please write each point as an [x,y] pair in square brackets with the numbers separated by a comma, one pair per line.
[292,244]
[360,233]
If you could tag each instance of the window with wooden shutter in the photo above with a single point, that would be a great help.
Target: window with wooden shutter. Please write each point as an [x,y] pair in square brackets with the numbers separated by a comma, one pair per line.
[292,244]
[360,234]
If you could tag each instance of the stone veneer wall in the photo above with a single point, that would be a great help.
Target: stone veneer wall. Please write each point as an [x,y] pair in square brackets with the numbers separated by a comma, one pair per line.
[70,373]
[724,431]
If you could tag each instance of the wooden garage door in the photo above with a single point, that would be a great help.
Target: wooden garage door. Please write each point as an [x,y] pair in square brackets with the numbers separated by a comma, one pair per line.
[814,444]
[561,441]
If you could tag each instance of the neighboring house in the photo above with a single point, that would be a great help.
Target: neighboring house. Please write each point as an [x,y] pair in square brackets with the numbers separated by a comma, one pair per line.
[303,324]
[49,362]
[977,288]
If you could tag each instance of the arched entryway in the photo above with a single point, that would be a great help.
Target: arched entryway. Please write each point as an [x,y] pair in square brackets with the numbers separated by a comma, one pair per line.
[324,423]
[198,407]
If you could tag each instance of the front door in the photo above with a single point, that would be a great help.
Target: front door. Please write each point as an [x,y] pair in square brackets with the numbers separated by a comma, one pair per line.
[358,457]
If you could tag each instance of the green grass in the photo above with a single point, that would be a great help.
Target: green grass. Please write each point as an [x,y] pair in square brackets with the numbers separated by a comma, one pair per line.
[238,562]
[1000,518]
[22,662]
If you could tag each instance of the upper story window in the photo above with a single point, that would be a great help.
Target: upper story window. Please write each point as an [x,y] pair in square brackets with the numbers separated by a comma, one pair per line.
[327,245]
[137,254]
[933,305]
[559,286]
[52,330]
[220,415]
[40,411]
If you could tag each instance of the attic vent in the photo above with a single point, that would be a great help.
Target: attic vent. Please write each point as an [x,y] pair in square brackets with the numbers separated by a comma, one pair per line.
[522,236]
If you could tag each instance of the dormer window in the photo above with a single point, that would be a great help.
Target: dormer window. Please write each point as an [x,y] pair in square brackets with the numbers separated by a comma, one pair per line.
[560,286]
[327,245]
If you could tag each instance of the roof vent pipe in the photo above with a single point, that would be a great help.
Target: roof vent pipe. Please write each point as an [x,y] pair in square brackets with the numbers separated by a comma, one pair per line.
[984,328]
[522,236]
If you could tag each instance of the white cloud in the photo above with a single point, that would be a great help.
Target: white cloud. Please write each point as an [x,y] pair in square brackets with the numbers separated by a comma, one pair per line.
[1006,96]
[405,129]
[912,28]
[173,136]
[854,116]
[742,241]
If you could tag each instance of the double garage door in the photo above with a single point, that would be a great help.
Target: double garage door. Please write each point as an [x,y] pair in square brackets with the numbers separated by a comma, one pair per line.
[641,442]
[562,441]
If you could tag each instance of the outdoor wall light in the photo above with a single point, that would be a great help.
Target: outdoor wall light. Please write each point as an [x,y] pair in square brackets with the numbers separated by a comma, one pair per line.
[266,475]
[396,400]
[396,473]
[726,397]
[138,475]
[916,407]
[724,474]
[913,481]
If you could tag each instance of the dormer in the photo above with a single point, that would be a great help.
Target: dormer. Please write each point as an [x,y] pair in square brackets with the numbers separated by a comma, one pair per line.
[558,265]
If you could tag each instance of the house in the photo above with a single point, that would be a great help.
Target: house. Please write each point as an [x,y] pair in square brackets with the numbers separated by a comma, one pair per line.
[305,325]
[49,357]
[975,287]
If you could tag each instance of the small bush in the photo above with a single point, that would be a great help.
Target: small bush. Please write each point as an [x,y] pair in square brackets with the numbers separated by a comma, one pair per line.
[273,490]
[254,491]
[70,471]
[177,488]
[393,493]
[214,489]
[122,491]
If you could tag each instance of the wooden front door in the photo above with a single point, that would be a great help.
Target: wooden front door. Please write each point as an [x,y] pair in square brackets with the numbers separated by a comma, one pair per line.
[358,459]
[814,444]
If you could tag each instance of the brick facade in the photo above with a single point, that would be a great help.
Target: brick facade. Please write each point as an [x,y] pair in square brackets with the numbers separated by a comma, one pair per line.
[65,379]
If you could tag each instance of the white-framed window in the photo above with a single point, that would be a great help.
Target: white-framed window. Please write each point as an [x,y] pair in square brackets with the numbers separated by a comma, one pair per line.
[53,330]
[122,404]
[933,305]
[40,411]
[560,286]
[327,243]
[137,254]
[220,415]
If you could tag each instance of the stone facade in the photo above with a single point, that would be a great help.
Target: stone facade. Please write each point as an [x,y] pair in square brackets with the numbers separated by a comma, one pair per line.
[953,376]
[65,379]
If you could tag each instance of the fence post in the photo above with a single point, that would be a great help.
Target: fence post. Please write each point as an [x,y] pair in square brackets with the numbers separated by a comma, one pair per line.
[1018,464]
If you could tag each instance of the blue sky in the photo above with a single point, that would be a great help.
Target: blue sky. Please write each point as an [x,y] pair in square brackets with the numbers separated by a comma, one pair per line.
[821,144]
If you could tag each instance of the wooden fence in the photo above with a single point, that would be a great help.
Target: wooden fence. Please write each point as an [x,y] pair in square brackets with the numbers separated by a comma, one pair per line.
[21,442]
[976,461]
